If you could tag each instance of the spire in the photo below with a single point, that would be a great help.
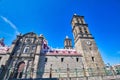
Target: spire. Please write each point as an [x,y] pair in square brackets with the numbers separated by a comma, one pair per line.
[41,35]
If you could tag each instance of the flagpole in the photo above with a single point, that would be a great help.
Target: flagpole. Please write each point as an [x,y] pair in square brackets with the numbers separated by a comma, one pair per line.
[76,72]
[67,71]
[51,71]
[59,73]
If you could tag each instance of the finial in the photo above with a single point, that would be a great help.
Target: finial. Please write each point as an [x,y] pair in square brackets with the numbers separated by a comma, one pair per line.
[75,14]
[20,33]
[41,35]
[67,37]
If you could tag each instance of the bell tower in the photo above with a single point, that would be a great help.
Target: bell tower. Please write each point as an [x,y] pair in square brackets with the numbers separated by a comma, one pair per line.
[86,45]
[67,43]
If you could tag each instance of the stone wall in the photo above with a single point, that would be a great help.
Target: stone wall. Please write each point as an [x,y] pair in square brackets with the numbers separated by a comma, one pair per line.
[117,77]
[59,66]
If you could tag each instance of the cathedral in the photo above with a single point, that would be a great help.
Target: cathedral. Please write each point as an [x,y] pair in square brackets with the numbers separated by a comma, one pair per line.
[30,56]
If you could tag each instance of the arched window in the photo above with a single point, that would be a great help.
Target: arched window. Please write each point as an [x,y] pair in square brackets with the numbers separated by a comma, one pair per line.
[84,28]
[82,21]
[26,50]
[86,32]
[93,59]
[80,30]
[62,59]
[33,48]
[77,19]
[77,59]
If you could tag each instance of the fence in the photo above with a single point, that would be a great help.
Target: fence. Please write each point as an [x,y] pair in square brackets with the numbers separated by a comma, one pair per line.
[73,74]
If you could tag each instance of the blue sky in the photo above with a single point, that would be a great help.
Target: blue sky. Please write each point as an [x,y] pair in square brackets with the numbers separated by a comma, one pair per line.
[52,19]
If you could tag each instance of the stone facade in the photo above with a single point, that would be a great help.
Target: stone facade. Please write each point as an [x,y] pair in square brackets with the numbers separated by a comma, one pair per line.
[60,65]
[31,57]
[24,56]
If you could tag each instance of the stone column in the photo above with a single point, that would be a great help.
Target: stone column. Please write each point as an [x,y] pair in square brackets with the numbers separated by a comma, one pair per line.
[68,72]
[25,68]
[12,47]
[29,69]
[37,56]
[36,61]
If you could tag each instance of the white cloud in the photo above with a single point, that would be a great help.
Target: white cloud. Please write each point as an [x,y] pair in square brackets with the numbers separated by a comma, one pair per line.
[118,52]
[10,23]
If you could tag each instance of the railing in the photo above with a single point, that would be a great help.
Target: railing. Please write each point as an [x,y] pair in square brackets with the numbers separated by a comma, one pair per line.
[103,73]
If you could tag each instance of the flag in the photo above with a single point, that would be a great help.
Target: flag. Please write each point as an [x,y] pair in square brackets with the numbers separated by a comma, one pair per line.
[2,42]
[45,47]
[45,44]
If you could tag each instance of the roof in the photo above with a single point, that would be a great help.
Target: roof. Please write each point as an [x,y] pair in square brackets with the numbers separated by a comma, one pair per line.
[61,52]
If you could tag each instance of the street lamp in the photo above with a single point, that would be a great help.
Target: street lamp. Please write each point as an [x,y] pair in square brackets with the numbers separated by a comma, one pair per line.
[68,71]
[51,71]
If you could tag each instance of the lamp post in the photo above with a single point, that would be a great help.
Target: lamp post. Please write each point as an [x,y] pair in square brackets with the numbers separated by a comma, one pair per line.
[51,71]
[68,72]
[76,72]
[59,72]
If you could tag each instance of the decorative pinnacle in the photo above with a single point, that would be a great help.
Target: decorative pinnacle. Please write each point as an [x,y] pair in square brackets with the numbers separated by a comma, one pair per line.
[75,14]
[41,35]
[67,37]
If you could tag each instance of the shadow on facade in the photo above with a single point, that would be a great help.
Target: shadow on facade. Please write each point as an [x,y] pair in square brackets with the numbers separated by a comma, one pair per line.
[37,79]
[41,67]
[43,71]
